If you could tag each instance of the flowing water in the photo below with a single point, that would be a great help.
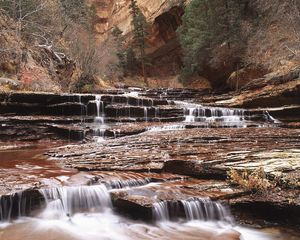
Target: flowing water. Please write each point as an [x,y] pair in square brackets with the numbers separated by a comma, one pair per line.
[85,209]
[86,212]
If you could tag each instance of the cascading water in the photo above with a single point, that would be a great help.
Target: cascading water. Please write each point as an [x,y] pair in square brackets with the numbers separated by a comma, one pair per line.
[146,114]
[100,129]
[190,117]
[65,201]
[161,211]
[87,206]
[100,109]
[7,205]
[100,134]
[224,117]
[18,204]
[205,209]
[194,209]
[129,183]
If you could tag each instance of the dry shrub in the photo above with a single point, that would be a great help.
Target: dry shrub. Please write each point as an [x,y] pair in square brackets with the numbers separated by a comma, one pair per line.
[254,181]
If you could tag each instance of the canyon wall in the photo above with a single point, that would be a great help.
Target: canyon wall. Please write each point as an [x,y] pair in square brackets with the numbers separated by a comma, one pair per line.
[164,17]
[269,30]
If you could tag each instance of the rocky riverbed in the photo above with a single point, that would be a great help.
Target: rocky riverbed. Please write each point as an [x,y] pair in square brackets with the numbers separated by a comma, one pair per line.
[155,160]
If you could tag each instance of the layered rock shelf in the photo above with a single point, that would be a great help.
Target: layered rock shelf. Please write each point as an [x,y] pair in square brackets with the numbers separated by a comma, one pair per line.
[149,158]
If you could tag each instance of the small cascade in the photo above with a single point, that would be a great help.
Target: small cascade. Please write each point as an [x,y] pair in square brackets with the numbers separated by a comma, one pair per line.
[7,205]
[190,117]
[146,114]
[270,118]
[100,109]
[166,128]
[117,133]
[128,183]
[100,134]
[65,201]
[205,209]
[193,209]
[18,204]
[161,211]
[224,117]
[132,94]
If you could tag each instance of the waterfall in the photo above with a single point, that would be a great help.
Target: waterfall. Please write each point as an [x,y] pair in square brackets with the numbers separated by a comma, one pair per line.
[119,184]
[161,211]
[18,204]
[194,209]
[100,134]
[65,201]
[117,133]
[205,209]
[190,117]
[146,114]
[225,117]
[100,109]
[6,207]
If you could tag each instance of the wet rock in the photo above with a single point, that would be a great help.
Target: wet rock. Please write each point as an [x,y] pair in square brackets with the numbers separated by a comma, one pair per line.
[280,207]
[19,204]
[65,104]
[68,132]
[138,207]
[196,152]
[175,94]
[273,96]
[170,196]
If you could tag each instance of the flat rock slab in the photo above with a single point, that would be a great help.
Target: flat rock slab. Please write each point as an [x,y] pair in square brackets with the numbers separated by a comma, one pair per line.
[270,95]
[139,202]
[200,153]
[195,152]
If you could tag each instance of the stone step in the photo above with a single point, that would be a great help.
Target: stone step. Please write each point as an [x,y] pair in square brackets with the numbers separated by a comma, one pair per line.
[64,104]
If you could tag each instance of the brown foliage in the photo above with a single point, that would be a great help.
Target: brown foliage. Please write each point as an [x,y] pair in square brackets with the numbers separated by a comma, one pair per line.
[254,181]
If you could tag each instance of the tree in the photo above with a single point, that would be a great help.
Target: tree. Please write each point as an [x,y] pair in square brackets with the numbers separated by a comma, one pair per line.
[131,61]
[120,51]
[77,12]
[207,23]
[140,31]
[23,12]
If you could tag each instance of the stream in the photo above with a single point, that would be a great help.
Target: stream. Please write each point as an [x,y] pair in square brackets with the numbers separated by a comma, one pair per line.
[126,166]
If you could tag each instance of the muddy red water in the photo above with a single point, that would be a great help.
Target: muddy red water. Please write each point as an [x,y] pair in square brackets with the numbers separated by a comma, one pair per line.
[24,166]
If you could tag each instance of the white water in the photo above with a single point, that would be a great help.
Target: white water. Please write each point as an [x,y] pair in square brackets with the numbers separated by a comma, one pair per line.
[132,94]
[225,117]
[86,213]
[194,209]
[66,201]
[205,209]
[100,109]
[129,183]
[161,211]
[172,127]
[146,114]
[109,226]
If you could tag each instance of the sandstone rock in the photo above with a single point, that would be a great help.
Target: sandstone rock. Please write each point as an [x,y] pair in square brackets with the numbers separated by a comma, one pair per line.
[243,76]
